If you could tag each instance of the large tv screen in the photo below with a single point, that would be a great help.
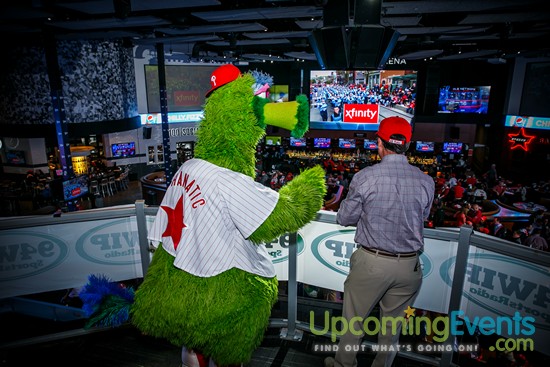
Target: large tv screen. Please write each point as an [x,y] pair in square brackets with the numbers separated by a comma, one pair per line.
[346,143]
[298,142]
[425,146]
[121,150]
[186,86]
[360,99]
[75,188]
[370,144]
[15,157]
[469,99]
[272,140]
[451,147]
[321,142]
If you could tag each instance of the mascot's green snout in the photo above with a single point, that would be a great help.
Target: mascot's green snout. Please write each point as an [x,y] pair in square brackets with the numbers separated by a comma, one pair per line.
[211,285]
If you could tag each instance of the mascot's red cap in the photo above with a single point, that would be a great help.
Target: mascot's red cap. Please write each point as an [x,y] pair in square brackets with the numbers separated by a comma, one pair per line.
[223,75]
[395,125]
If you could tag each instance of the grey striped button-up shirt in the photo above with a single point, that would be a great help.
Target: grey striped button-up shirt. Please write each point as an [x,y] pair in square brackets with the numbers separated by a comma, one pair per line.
[388,202]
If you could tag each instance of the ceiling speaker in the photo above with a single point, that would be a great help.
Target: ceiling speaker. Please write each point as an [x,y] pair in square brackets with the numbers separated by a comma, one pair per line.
[371,46]
[358,47]
[331,47]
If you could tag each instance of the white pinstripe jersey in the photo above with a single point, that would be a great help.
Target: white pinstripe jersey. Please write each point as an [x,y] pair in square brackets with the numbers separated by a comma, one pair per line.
[205,217]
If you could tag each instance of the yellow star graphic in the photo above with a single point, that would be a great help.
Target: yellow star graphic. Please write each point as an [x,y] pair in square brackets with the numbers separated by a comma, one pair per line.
[409,311]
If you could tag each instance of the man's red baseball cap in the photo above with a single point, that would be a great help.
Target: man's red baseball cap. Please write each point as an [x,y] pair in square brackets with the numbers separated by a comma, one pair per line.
[394,125]
[223,75]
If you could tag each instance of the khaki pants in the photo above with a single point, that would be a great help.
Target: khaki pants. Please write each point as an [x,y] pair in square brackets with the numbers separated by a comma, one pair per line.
[373,278]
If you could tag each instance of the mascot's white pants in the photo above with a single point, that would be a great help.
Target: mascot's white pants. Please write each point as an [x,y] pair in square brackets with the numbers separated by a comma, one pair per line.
[192,359]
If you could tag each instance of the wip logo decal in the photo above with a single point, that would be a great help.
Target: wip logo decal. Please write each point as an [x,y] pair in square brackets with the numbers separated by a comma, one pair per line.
[278,249]
[110,244]
[25,254]
[334,249]
[503,285]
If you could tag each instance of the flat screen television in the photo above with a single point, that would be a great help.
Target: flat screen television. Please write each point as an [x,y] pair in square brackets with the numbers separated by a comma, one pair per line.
[364,98]
[370,145]
[121,150]
[321,142]
[468,99]
[75,187]
[451,147]
[298,142]
[425,146]
[15,157]
[346,143]
[272,140]
[186,86]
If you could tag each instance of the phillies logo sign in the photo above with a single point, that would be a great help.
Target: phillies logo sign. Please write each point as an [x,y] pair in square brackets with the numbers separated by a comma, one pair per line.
[361,113]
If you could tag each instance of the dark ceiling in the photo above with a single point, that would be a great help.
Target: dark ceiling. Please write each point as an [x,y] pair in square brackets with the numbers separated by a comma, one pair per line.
[278,30]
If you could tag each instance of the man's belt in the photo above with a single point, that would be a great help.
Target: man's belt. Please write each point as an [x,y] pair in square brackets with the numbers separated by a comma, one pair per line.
[389,254]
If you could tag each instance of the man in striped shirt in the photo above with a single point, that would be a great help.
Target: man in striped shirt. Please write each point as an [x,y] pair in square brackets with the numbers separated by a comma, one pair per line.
[388,203]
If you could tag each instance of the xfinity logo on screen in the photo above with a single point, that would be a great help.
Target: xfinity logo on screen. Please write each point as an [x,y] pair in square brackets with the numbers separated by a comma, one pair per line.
[361,113]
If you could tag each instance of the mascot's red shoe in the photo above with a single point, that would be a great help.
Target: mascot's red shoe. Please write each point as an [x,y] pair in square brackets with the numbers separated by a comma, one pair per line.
[191,358]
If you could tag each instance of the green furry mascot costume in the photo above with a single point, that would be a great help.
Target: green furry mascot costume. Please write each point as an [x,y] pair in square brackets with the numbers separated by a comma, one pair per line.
[211,286]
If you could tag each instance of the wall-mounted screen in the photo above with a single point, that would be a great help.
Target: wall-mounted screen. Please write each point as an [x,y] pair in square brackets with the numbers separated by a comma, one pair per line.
[451,147]
[321,142]
[472,99]
[346,143]
[359,99]
[298,142]
[15,157]
[75,188]
[272,140]
[425,146]
[370,145]
[186,86]
[121,150]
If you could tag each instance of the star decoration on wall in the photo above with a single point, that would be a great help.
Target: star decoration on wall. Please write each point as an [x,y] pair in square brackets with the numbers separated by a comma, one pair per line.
[175,224]
[520,140]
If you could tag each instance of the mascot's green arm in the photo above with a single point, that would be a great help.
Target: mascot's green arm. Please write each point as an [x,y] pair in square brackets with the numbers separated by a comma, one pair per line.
[296,114]
[299,201]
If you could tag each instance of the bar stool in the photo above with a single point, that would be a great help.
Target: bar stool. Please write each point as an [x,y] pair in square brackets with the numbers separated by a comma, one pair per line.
[104,187]
[120,185]
[112,185]
[94,188]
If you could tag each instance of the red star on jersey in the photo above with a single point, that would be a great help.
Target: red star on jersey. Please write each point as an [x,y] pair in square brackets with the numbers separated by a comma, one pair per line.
[520,140]
[175,222]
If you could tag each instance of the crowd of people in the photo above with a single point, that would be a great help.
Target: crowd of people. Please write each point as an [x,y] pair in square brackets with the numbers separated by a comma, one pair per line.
[329,99]
[460,192]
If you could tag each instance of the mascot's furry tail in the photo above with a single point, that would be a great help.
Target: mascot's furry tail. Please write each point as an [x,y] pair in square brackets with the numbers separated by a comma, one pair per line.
[106,303]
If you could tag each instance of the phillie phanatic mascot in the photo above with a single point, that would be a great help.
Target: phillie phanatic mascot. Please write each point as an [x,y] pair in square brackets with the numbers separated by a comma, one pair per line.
[211,285]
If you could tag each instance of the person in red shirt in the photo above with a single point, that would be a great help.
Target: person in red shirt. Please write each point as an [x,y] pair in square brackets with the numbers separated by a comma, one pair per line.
[458,191]
[444,193]
[475,215]
[460,217]
[471,180]
[340,167]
